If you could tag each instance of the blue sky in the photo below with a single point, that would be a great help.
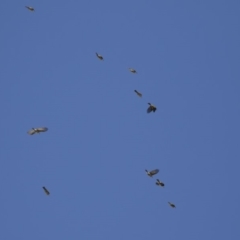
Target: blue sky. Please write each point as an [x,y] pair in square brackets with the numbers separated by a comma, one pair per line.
[100,138]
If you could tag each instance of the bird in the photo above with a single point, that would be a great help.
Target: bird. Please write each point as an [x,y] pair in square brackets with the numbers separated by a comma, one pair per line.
[151,108]
[171,205]
[138,93]
[132,70]
[151,173]
[99,56]
[37,130]
[159,183]
[30,8]
[46,191]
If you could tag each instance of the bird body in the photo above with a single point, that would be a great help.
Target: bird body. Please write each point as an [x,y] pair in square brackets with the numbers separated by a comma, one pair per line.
[99,56]
[151,173]
[30,8]
[138,93]
[37,130]
[46,191]
[151,108]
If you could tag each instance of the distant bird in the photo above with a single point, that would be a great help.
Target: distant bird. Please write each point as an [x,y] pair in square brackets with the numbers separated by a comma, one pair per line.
[30,8]
[159,183]
[151,108]
[172,205]
[151,173]
[37,130]
[46,191]
[138,93]
[132,70]
[99,56]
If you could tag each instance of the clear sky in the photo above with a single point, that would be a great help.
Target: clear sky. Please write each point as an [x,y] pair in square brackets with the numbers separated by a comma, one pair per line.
[101,139]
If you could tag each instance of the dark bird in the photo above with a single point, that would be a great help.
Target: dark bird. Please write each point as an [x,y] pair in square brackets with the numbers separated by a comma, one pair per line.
[151,173]
[46,191]
[30,8]
[99,56]
[151,108]
[37,130]
[132,70]
[172,205]
[138,93]
[159,183]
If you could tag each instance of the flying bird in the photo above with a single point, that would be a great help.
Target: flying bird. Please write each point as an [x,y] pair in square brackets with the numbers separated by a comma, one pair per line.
[171,205]
[138,93]
[46,191]
[151,108]
[30,8]
[99,56]
[151,173]
[37,130]
[132,70]
[159,183]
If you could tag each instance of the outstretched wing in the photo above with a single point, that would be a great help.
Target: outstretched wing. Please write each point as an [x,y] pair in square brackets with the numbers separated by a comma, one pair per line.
[30,8]
[132,70]
[42,129]
[99,56]
[46,191]
[31,132]
[138,93]
[149,109]
[155,171]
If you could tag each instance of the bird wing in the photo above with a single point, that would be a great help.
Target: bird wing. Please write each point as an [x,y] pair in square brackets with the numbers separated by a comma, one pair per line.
[30,8]
[149,109]
[99,56]
[31,132]
[155,171]
[42,129]
[138,93]
[46,191]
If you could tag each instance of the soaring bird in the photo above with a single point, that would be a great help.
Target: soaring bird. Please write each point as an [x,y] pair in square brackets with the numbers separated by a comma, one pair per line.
[159,183]
[138,93]
[132,70]
[30,8]
[37,130]
[171,205]
[99,56]
[46,191]
[151,108]
[151,173]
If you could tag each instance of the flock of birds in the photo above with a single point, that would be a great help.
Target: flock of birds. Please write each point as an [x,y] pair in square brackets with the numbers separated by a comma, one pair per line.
[158,182]
[150,109]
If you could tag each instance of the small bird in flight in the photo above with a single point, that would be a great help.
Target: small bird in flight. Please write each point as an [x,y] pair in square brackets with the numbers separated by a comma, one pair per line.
[132,70]
[159,183]
[151,173]
[30,8]
[37,130]
[46,191]
[138,93]
[99,56]
[172,205]
[151,108]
